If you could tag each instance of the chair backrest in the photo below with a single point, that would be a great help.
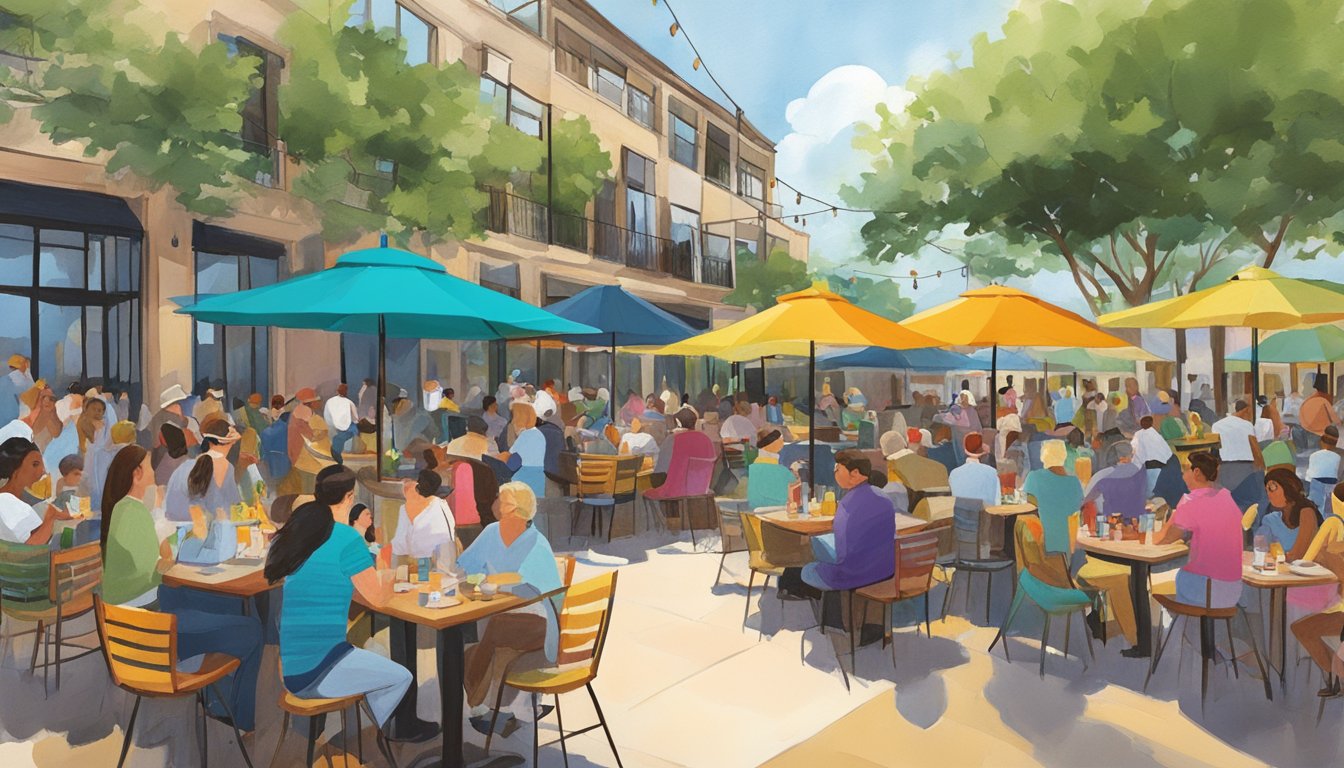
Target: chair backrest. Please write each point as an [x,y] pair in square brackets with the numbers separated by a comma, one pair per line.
[966,525]
[584,620]
[564,565]
[1029,537]
[596,474]
[699,474]
[25,575]
[76,572]
[751,532]
[464,496]
[627,476]
[730,529]
[916,554]
[139,646]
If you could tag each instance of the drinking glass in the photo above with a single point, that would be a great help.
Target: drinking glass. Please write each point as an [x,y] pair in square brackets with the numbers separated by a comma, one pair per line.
[1261,546]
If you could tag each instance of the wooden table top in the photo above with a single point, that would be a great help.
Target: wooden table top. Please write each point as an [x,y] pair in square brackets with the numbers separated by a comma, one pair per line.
[234,578]
[406,606]
[1010,510]
[1133,550]
[1282,578]
[1210,440]
[816,525]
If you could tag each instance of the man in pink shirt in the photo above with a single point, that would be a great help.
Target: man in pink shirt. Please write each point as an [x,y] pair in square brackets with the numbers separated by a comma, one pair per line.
[1211,519]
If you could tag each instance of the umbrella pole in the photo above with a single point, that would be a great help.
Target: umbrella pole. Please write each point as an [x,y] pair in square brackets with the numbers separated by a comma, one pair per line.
[765,391]
[1255,373]
[382,394]
[812,418]
[611,397]
[539,379]
[994,384]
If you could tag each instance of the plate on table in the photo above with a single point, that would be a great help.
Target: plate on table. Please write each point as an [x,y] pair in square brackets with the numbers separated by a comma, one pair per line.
[445,602]
[1308,568]
[402,586]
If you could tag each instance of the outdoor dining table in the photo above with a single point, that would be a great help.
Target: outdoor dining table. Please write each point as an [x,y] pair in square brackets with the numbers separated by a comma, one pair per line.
[816,525]
[1008,513]
[1278,584]
[404,609]
[1140,558]
[240,577]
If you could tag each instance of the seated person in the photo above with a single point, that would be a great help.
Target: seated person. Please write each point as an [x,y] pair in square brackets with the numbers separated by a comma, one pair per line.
[860,549]
[1056,494]
[737,428]
[425,525]
[511,546]
[71,471]
[974,480]
[21,466]
[767,481]
[1209,516]
[1120,488]
[1323,466]
[1315,632]
[474,443]
[638,442]
[1076,446]
[912,466]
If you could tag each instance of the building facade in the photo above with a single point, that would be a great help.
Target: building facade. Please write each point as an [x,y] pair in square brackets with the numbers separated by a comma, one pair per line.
[93,267]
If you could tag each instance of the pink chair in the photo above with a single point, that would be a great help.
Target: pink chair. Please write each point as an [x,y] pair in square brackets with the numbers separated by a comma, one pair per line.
[464,496]
[689,473]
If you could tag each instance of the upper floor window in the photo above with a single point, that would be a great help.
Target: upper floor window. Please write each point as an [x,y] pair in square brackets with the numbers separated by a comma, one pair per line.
[260,111]
[507,102]
[682,139]
[750,181]
[639,106]
[590,66]
[389,14]
[525,12]
[718,155]
[608,78]
[525,112]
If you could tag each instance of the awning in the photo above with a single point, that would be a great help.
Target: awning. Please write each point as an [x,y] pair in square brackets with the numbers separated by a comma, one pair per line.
[86,210]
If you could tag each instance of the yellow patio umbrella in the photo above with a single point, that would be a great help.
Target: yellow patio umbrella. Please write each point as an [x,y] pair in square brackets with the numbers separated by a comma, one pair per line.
[1002,316]
[797,324]
[1255,298]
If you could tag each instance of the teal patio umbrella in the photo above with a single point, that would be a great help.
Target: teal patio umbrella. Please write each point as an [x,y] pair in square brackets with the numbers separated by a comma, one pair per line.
[1322,344]
[385,292]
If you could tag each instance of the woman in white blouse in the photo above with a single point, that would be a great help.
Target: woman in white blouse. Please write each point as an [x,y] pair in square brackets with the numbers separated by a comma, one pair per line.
[425,525]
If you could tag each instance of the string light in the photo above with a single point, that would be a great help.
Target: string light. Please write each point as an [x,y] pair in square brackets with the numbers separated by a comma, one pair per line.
[696,64]
[672,30]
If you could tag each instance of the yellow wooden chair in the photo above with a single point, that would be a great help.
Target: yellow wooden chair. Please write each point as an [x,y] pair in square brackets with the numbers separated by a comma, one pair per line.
[140,648]
[757,562]
[583,634]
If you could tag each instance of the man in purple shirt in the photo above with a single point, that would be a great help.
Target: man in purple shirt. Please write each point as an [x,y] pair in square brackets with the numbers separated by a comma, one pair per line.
[859,551]
[1122,488]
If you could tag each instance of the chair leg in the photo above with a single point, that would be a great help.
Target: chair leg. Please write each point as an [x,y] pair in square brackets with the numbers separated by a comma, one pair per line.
[345,745]
[228,710]
[205,731]
[719,576]
[1082,618]
[59,624]
[312,740]
[1205,655]
[989,594]
[853,632]
[1259,661]
[760,607]
[1068,631]
[746,609]
[1157,657]
[37,644]
[560,726]
[494,715]
[284,729]
[1231,650]
[601,719]
[536,730]
[1045,638]
[887,620]
[379,740]
[947,596]
[359,734]
[1007,622]
[130,727]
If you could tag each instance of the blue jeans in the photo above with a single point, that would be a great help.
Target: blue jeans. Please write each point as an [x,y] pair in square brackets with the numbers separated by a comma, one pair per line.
[1191,589]
[382,681]
[208,623]
[339,439]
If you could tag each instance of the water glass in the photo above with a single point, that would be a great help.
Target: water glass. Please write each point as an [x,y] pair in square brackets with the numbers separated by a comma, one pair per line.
[1261,547]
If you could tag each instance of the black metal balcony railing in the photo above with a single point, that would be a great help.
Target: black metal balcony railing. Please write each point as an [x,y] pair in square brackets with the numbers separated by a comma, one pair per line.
[517,215]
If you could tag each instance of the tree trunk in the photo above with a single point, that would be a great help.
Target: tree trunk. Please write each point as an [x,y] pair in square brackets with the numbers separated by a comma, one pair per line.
[1180,363]
[1218,348]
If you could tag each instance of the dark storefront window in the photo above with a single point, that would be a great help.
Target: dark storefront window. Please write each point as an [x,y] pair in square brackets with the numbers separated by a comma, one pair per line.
[235,357]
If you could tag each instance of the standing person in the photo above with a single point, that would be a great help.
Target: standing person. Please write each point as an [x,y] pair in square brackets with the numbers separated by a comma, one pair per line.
[495,424]
[341,417]
[1318,411]
[322,564]
[99,458]
[512,545]
[21,466]
[368,400]
[17,381]
[134,560]
[530,448]
[1135,401]
[1150,450]
[1173,426]
[1056,494]
[524,417]
[1327,548]
[1212,521]
[211,403]
[253,416]
[859,551]
[1065,406]
[1323,465]
[91,423]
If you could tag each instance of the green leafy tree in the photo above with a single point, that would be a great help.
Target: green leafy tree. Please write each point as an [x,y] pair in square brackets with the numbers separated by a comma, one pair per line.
[759,283]
[580,164]
[99,75]
[880,296]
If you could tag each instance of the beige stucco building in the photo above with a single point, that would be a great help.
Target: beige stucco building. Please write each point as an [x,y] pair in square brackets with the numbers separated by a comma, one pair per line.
[93,267]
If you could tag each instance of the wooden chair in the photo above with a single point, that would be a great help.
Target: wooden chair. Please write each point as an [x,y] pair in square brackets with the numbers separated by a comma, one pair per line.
[564,565]
[731,537]
[916,556]
[970,542]
[595,487]
[584,622]
[316,711]
[140,648]
[51,588]
[1207,616]
[757,562]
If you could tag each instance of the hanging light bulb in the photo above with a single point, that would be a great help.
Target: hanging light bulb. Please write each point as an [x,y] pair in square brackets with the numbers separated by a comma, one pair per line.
[672,30]
[834,212]
[940,273]
[772,183]
[804,221]
[915,284]
[696,64]
[798,199]
[795,219]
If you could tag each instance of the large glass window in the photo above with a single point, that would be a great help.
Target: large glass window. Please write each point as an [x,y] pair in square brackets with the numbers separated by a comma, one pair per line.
[525,113]
[236,358]
[507,102]
[685,231]
[525,12]
[259,111]
[608,78]
[718,156]
[639,106]
[69,301]
[389,14]
[750,181]
[683,142]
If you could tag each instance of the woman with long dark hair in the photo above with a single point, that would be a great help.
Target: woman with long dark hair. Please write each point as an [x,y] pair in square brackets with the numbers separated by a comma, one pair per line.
[134,560]
[1327,549]
[21,466]
[209,482]
[322,564]
[1292,520]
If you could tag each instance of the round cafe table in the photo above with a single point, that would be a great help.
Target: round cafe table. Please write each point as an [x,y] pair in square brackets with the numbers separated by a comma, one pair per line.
[1008,513]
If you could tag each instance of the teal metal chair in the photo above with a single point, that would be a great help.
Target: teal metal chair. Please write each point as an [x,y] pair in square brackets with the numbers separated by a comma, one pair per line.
[1047,583]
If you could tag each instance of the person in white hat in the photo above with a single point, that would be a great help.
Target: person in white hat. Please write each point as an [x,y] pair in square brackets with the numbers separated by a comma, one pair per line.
[170,412]
[212,402]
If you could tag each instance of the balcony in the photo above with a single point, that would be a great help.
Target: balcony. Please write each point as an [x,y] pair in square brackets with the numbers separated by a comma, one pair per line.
[516,215]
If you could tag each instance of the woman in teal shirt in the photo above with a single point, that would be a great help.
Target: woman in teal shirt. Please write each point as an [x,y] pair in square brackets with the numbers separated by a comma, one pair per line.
[1057,495]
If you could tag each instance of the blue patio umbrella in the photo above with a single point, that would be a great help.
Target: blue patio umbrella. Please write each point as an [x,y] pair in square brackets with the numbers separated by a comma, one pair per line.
[1008,360]
[622,320]
[931,359]
[387,292]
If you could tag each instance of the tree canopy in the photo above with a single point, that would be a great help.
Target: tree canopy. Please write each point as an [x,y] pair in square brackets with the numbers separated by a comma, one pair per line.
[1136,144]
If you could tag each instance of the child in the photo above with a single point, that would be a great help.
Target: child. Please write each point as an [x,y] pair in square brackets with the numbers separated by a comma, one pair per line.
[71,471]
